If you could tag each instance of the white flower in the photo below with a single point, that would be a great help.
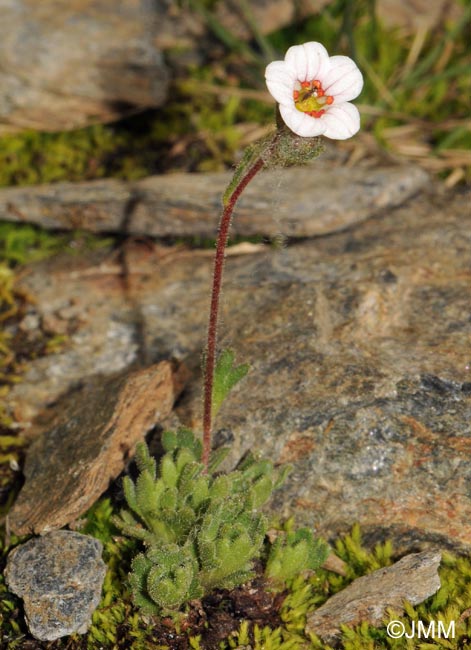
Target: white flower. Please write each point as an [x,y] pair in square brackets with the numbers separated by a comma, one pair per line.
[314,91]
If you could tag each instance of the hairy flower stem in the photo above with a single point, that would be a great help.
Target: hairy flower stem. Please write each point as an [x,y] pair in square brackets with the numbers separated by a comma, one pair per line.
[223,234]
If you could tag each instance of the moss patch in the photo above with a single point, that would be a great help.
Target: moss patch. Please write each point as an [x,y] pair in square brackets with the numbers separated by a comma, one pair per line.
[242,615]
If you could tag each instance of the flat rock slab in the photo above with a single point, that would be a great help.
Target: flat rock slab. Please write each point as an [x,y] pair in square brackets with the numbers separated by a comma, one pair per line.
[87,444]
[413,579]
[359,344]
[299,202]
[59,576]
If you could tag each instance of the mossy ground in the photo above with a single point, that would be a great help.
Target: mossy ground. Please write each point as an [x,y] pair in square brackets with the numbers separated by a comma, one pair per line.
[246,618]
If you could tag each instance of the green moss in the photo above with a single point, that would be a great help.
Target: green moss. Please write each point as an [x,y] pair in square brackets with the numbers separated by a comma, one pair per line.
[117,624]
[11,624]
[25,243]
[115,617]
[305,595]
[34,157]
[10,306]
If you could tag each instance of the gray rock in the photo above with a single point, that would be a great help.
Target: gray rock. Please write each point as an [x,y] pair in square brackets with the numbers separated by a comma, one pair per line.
[59,577]
[313,200]
[370,598]
[359,347]
[64,65]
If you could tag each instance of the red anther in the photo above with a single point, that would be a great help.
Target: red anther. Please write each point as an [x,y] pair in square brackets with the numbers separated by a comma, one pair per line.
[305,84]
[320,93]
[330,99]
[295,94]
[316,83]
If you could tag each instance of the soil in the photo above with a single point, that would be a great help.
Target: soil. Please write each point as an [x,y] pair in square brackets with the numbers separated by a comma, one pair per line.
[220,614]
[213,619]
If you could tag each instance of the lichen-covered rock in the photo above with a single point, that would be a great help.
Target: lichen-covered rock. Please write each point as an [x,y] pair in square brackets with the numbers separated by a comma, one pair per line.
[59,576]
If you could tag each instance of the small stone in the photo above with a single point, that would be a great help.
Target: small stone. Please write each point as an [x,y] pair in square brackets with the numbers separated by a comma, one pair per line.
[59,576]
[412,579]
[54,325]
[30,322]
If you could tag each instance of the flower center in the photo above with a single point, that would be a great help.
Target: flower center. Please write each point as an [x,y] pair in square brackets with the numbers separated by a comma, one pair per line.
[309,97]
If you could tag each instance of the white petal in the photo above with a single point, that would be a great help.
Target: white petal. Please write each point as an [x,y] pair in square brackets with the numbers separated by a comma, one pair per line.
[341,122]
[343,80]
[280,81]
[318,61]
[306,60]
[301,123]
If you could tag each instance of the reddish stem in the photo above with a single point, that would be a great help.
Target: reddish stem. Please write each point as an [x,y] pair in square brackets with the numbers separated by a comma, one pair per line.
[223,234]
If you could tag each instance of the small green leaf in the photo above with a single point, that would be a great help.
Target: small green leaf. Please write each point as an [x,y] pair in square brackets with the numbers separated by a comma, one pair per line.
[144,460]
[226,376]
[184,457]
[293,553]
[130,494]
[168,471]
[138,578]
[217,457]
[169,440]
[169,581]
[147,494]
